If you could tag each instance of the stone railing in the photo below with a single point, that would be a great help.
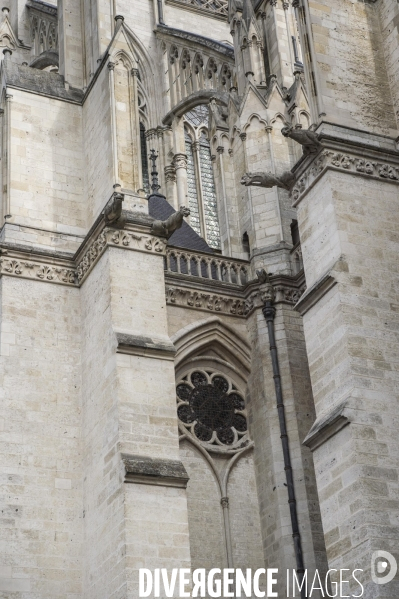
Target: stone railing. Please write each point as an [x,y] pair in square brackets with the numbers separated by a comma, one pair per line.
[204,266]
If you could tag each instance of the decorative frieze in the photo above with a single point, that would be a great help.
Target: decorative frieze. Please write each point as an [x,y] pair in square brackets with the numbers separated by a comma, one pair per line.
[344,162]
[117,238]
[200,300]
[17,263]
[242,304]
[29,269]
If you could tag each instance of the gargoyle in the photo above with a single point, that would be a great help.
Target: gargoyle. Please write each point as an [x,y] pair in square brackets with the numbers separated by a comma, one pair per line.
[165,228]
[113,210]
[285,181]
[263,277]
[309,140]
[266,290]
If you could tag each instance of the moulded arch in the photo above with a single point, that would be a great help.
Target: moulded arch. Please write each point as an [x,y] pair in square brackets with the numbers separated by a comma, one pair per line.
[252,117]
[279,117]
[215,337]
[189,129]
[304,119]
[121,57]
[193,100]
[143,61]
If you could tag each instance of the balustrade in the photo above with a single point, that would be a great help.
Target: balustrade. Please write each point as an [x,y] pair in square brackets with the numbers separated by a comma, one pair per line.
[204,266]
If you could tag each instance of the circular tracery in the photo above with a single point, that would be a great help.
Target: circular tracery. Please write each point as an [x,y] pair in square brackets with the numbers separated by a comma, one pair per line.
[211,408]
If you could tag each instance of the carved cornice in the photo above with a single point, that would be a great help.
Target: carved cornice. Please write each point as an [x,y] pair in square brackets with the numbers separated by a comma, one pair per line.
[42,7]
[371,167]
[218,297]
[188,36]
[73,271]
[16,264]
[210,302]
[117,238]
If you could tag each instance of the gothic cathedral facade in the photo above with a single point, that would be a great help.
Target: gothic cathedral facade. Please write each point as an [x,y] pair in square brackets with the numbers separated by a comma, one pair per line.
[199,290]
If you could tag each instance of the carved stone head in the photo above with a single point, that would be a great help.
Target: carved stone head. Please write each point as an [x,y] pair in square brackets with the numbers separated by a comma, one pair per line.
[286,131]
[184,211]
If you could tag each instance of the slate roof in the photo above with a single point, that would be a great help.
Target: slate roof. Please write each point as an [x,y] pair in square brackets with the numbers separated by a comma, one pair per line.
[185,237]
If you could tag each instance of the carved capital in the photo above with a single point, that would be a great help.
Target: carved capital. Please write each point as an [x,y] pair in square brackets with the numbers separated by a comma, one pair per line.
[220,149]
[180,161]
[135,72]
[170,174]
[286,5]
[224,502]
[243,136]
[111,66]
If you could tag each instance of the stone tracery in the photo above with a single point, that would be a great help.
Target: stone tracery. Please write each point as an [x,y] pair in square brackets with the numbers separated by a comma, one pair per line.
[212,410]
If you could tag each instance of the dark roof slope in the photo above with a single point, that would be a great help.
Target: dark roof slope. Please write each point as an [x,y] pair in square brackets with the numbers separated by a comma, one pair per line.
[185,237]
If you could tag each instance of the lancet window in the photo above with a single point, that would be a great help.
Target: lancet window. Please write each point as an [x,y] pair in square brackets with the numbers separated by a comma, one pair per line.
[200,182]
[144,159]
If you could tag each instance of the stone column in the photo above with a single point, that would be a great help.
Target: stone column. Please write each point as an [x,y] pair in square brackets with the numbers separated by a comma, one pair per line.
[137,165]
[7,156]
[171,191]
[180,165]
[70,42]
[114,138]
[220,151]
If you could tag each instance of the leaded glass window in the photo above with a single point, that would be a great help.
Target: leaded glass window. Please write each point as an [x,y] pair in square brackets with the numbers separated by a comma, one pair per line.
[192,187]
[144,159]
[209,193]
[200,182]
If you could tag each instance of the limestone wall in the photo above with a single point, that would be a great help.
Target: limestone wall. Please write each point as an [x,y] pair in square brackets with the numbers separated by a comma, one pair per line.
[351,70]
[244,515]
[205,518]
[389,21]
[98,151]
[352,349]
[47,171]
[41,443]
[205,25]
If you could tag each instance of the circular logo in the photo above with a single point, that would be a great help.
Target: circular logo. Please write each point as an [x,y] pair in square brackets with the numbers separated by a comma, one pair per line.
[383,567]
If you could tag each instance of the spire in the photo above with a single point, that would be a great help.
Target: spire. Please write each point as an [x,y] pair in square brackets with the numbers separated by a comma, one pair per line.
[248,15]
[154,173]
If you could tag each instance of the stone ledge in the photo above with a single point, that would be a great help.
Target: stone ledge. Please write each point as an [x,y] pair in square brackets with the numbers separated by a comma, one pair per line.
[326,425]
[154,471]
[315,293]
[138,345]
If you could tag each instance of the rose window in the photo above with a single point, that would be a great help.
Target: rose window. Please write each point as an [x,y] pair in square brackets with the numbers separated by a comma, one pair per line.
[211,408]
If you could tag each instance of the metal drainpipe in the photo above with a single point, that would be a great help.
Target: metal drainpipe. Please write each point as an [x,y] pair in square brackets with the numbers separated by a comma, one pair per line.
[269,312]
[160,12]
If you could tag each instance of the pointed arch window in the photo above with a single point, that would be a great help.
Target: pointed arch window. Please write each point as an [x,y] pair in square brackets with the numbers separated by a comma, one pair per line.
[200,182]
[144,159]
